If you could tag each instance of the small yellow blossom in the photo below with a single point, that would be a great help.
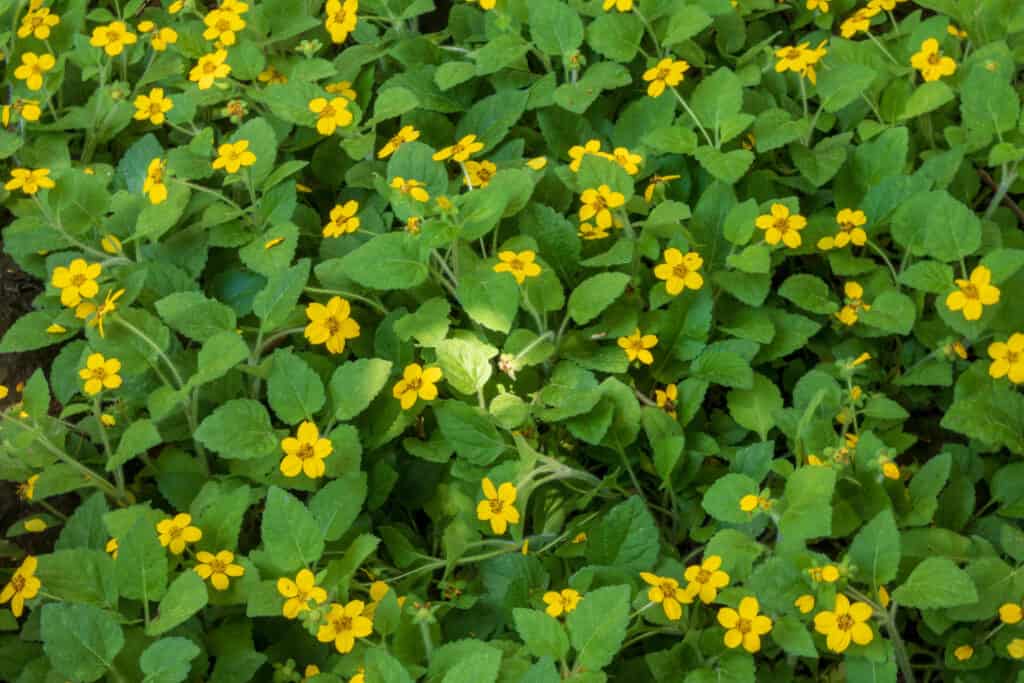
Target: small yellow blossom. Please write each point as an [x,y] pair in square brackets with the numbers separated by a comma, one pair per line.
[498,506]
[410,187]
[108,306]
[36,525]
[164,37]
[177,532]
[845,623]
[1015,648]
[37,23]
[1011,613]
[271,76]
[666,398]
[113,38]
[858,22]
[636,346]
[223,25]
[851,231]
[854,303]
[176,6]
[520,265]
[751,502]
[30,181]
[577,152]
[299,592]
[305,452]
[77,281]
[706,579]
[417,383]
[485,5]
[561,602]
[343,624]
[27,490]
[781,226]
[209,68]
[667,72]
[598,204]
[154,186]
[341,19]
[331,324]
[537,163]
[406,134]
[219,568]
[330,115]
[112,547]
[805,603]
[153,107]
[232,156]
[744,626]
[343,219]
[24,585]
[666,592]
[461,151]
[973,294]
[111,244]
[654,181]
[891,470]
[620,5]
[589,231]
[33,69]
[931,63]
[1008,359]
[956,32]
[679,271]
[963,653]
[826,574]
[821,5]
[108,420]
[479,173]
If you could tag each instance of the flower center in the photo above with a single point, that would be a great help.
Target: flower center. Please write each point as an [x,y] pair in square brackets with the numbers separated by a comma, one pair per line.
[703,576]
[333,324]
[483,174]
[599,204]
[668,590]
[663,74]
[18,582]
[970,291]
[305,451]
[343,624]
[209,68]
[934,58]
[223,25]
[793,54]
[497,505]
[782,224]
[516,264]
[328,112]
[78,279]
[217,567]
[101,374]
[744,626]
[680,270]
[154,108]
[844,622]
[175,531]
[1012,357]
[414,384]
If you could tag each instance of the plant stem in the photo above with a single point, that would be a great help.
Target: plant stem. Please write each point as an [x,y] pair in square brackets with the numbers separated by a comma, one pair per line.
[693,116]
[372,303]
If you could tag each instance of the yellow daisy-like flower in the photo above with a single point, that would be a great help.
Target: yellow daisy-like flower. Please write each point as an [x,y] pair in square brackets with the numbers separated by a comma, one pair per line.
[330,115]
[417,383]
[30,181]
[636,346]
[666,398]
[153,107]
[209,68]
[461,151]
[218,569]
[521,265]
[108,306]
[485,5]
[108,420]
[805,603]
[598,204]
[792,58]
[848,315]
[498,506]
[299,592]
[931,63]
[272,76]
[851,231]
[27,109]
[27,489]
[706,579]
[164,37]
[305,452]
[828,573]
[112,547]
[77,281]
[223,26]
[1015,648]
[744,626]
[343,219]
[341,19]
[343,88]
[891,470]
[620,5]
[406,134]
[781,226]
[845,623]
[963,653]
[561,602]
[154,186]
[232,156]
[629,161]
[577,152]
[33,69]
[100,373]
[974,294]
[592,232]
[24,585]
[331,324]
[411,188]
[1011,613]
[667,72]
[479,173]
[665,591]
[957,33]
[177,532]
[1008,359]
[37,23]
[113,38]
[821,5]
[343,624]
[858,22]
[679,271]
[751,502]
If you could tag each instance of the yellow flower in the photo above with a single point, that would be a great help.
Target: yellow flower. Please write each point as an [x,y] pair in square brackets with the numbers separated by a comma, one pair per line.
[592,232]
[844,623]
[331,324]
[112,38]
[406,134]
[668,72]
[850,231]
[100,373]
[236,6]
[963,653]
[680,271]
[461,151]
[627,160]
[112,547]
[581,537]
[636,346]
[111,244]
[854,303]
[153,106]
[108,420]
[222,25]
[218,568]
[33,68]
[827,574]
[417,383]
[973,294]
[37,23]
[1008,359]
[154,186]
[597,204]
[930,62]
[818,5]
[341,19]
[745,626]
[537,163]
[24,585]
[108,306]
[577,152]
[498,506]
[299,592]
[54,328]
[27,489]
[35,525]
[330,115]
[164,37]
[1011,613]
[343,88]
[77,281]
[1015,648]
[176,532]
[779,225]
[28,109]
[305,454]
[343,219]
[209,68]
[176,6]
[666,592]
[666,399]
[561,602]
[145,26]
[343,624]
[412,225]
[272,76]
[485,5]
[310,671]
[521,265]
[891,470]
[479,174]
[412,188]
[30,181]
[792,58]
[654,182]
[620,5]
[805,603]
[859,21]
[956,32]
[706,578]
[232,156]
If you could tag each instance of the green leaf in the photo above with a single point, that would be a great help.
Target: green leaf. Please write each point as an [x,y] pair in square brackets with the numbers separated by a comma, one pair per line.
[876,549]
[239,429]
[337,504]
[470,432]
[262,142]
[808,504]
[428,325]
[723,367]
[380,666]
[597,626]
[218,356]
[755,408]
[81,641]
[615,35]
[29,333]
[394,260]
[398,102]
[595,294]
[927,97]
[717,97]
[928,276]
[490,299]
[722,499]
[625,537]
[555,28]
[477,667]
[809,293]
[292,538]
[891,312]
[141,563]
[219,510]
[491,118]
[728,167]
[543,635]
[793,637]
[280,295]
[843,83]
[935,583]
[294,390]
[185,596]
[140,436]
[466,363]
[355,384]
[195,316]
[936,224]
[168,660]
[685,22]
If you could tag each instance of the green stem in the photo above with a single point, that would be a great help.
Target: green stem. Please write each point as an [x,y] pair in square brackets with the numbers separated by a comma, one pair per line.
[892,269]
[693,116]
[153,345]
[1009,176]
[119,472]
[372,303]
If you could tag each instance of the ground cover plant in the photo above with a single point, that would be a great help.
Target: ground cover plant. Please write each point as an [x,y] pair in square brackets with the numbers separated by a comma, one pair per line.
[514,340]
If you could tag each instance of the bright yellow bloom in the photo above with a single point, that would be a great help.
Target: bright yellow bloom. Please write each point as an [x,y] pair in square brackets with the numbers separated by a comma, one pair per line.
[858,22]
[597,204]
[417,383]
[1011,613]
[37,23]
[154,186]
[236,6]
[818,5]
[1015,648]
[963,653]
[305,454]
[299,592]
[330,115]
[854,303]
[218,568]
[792,58]
[620,5]
[412,225]
[666,399]
[521,265]
[537,163]
[153,106]
[28,109]
[479,173]
[485,5]
[636,346]
[27,489]
[891,470]
[654,181]
[412,188]
[77,281]
[232,156]
[751,502]
[805,603]
[331,324]
[826,574]
[629,161]
[779,225]
[592,232]
[343,624]
[112,38]
[36,525]
[343,88]
[341,19]
[974,294]
[108,420]
[851,230]
[461,151]
[33,68]
[30,181]
[744,626]
[561,602]
[844,623]
[577,152]
[343,219]
[209,68]
[24,585]
[679,271]
[406,134]
[498,506]
[223,25]
[666,592]
[312,670]
[956,32]
[111,244]
[176,532]
[176,6]
[108,306]
[100,373]
[668,72]
[271,76]
[931,63]
[706,578]
[164,37]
